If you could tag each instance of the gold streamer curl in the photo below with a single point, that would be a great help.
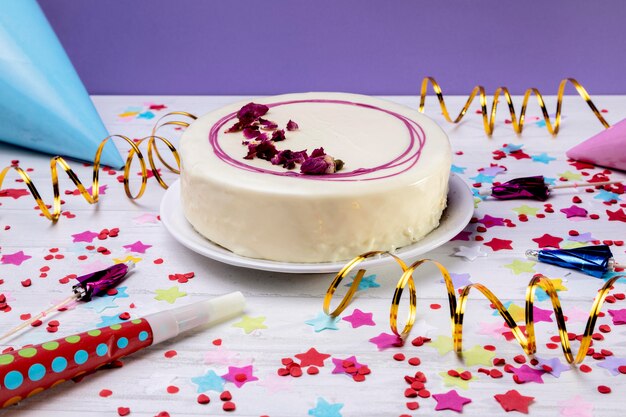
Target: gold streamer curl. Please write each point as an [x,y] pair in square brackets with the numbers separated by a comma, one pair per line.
[94,196]
[489,117]
[527,339]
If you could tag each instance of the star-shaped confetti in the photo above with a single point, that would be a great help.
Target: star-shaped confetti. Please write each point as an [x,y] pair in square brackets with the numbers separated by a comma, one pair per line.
[493,329]
[582,237]
[312,357]
[526,210]
[339,364]
[576,407]
[450,400]
[457,169]
[147,218]
[323,322]
[170,295]
[617,215]
[489,221]
[482,178]
[527,374]
[499,244]
[99,304]
[239,375]
[14,193]
[459,280]
[137,247]
[16,258]
[86,236]
[520,267]
[540,314]
[543,158]
[209,382]
[518,313]
[571,176]
[250,324]
[128,258]
[359,318]
[366,282]
[385,340]
[553,366]
[574,211]
[106,321]
[605,195]
[456,381]
[618,316]
[469,252]
[548,241]
[612,363]
[463,235]
[478,355]
[514,401]
[492,170]
[443,344]
[326,409]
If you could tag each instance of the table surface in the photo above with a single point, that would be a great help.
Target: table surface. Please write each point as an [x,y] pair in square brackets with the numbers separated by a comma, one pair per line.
[279,305]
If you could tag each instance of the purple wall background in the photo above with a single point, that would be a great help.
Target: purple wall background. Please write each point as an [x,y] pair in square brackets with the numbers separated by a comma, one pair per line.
[364,46]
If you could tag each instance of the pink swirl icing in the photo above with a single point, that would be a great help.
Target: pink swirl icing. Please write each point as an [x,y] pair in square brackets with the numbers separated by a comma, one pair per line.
[407,159]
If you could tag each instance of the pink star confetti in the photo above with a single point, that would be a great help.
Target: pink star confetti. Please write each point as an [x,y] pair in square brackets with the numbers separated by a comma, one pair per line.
[574,211]
[527,374]
[86,236]
[342,366]
[618,316]
[239,376]
[359,318]
[489,221]
[147,218]
[385,340]
[463,235]
[137,247]
[15,258]
[450,400]
[539,315]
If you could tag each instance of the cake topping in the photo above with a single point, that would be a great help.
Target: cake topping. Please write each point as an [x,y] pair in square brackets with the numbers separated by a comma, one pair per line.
[291,126]
[262,147]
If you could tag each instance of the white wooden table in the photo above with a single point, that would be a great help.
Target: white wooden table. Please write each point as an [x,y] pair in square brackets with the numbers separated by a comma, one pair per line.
[281,303]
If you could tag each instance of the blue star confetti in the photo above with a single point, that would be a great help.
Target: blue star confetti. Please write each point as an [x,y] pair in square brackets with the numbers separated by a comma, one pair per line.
[323,322]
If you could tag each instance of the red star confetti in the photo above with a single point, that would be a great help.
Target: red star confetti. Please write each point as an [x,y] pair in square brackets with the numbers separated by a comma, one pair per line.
[548,241]
[499,244]
[14,193]
[514,401]
[312,357]
[617,216]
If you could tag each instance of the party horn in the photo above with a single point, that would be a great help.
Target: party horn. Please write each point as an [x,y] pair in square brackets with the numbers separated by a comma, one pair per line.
[534,188]
[591,260]
[33,369]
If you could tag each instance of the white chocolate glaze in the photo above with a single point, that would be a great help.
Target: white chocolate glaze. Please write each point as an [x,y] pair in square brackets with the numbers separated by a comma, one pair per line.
[390,193]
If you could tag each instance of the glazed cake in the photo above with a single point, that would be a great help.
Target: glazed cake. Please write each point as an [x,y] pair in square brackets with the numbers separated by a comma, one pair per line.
[314,177]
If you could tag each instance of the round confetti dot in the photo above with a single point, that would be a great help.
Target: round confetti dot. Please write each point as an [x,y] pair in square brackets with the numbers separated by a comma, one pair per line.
[399,357]
[603,389]
[143,336]
[13,380]
[27,352]
[6,359]
[80,357]
[59,364]
[312,370]
[123,411]
[226,396]
[115,327]
[122,342]
[73,339]
[203,399]
[170,354]
[36,372]
[102,349]
[229,406]
[105,393]
[414,361]
[50,345]
[172,389]
[412,405]
[94,332]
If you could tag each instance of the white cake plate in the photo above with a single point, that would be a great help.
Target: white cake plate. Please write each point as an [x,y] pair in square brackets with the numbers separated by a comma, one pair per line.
[456,216]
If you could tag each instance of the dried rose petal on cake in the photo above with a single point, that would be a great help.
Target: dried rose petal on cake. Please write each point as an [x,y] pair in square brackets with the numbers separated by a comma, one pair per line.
[237,127]
[291,126]
[318,152]
[251,112]
[288,158]
[263,150]
[278,135]
[251,132]
[267,124]
[320,165]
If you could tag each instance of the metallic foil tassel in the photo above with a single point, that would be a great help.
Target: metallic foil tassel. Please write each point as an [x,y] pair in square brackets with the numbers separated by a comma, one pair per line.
[591,260]
[89,285]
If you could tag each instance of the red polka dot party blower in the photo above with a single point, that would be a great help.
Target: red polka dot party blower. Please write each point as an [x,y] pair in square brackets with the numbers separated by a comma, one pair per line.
[534,188]
[89,285]
[33,369]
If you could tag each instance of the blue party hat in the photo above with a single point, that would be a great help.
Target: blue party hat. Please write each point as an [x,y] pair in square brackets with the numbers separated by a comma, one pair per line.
[43,104]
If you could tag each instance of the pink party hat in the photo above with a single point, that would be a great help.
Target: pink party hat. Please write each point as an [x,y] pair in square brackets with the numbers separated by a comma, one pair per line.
[607,148]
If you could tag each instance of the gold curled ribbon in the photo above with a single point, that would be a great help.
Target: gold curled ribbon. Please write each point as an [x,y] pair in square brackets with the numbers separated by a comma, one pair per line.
[490,117]
[93,197]
[527,339]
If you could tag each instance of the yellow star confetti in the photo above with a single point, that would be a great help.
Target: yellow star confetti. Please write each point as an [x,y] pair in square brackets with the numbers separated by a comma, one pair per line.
[558,284]
[443,344]
[455,381]
[170,295]
[128,114]
[478,355]
[519,267]
[518,313]
[250,324]
[527,210]
[569,175]
[572,245]
[128,258]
